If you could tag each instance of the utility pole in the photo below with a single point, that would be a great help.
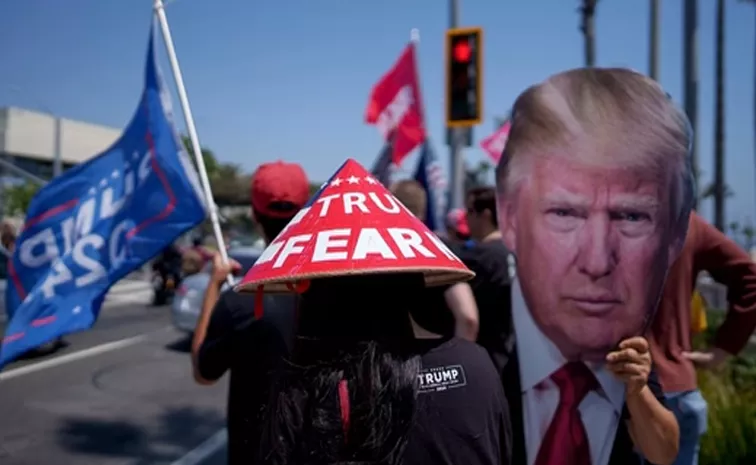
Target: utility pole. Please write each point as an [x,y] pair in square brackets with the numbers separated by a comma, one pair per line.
[719,120]
[57,147]
[653,40]
[456,159]
[690,76]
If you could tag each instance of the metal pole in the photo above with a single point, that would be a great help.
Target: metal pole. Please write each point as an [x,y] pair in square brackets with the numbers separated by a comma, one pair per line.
[456,160]
[58,148]
[653,45]
[719,120]
[160,12]
[690,75]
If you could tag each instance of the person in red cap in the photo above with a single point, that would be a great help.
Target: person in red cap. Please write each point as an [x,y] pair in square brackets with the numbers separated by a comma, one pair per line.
[457,229]
[228,337]
[359,387]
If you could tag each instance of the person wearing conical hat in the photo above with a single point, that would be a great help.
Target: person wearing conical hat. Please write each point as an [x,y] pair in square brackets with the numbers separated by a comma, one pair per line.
[358,386]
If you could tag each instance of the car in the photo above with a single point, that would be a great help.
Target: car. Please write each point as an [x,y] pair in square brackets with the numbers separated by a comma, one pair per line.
[187,303]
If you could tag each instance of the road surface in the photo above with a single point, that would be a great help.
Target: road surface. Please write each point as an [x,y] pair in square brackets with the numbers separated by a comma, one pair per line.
[121,393]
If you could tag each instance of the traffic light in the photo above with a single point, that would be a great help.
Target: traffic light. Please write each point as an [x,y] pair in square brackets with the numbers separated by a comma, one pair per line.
[464,77]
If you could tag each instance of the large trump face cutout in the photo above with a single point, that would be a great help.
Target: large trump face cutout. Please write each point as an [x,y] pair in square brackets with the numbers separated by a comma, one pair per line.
[593,246]
[594,192]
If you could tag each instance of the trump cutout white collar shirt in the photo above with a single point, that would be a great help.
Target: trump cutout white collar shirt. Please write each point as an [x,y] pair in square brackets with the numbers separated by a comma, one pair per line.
[600,410]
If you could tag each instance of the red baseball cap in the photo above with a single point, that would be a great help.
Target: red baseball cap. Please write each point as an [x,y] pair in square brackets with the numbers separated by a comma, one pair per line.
[279,189]
[457,220]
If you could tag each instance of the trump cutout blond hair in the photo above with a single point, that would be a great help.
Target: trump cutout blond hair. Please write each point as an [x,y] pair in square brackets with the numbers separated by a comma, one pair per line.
[606,117]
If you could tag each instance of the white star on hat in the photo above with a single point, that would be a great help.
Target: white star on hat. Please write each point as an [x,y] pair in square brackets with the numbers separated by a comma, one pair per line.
[370,180]
[336,182]
[353,180]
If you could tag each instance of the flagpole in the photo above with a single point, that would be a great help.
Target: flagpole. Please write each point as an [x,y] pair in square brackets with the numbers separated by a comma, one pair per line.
[179,80]
[415,40]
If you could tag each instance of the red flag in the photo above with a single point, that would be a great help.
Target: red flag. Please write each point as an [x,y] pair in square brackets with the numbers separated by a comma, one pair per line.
[494,144]
[395,104]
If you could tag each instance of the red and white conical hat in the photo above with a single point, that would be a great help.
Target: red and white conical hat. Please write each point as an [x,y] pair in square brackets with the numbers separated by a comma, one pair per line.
[353,225]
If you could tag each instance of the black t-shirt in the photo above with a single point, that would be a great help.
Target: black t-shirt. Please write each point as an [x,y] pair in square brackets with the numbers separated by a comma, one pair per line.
[492,289]
[462,416]
[435,316]
[252,350]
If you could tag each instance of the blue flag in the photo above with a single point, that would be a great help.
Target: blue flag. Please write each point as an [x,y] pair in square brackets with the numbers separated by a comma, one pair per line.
[384,163]
[431,176]
[98,222]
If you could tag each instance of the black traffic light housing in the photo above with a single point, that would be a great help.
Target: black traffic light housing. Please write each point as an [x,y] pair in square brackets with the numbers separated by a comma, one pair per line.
[464,77]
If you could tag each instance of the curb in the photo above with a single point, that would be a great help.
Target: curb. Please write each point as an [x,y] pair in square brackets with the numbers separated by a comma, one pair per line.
[126,286]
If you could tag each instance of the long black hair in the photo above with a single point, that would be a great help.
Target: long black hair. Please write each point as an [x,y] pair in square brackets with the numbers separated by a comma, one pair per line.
[347,395]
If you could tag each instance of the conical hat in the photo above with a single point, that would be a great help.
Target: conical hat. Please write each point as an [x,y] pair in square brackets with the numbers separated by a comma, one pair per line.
[352,226]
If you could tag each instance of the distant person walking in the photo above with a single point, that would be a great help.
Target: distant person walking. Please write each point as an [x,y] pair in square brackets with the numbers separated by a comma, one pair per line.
[8,236]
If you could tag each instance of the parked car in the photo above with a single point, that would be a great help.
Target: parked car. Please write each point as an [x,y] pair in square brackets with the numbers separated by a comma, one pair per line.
[187,302]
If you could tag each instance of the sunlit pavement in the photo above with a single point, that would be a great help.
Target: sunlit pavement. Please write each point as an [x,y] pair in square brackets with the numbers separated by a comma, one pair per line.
[121,393]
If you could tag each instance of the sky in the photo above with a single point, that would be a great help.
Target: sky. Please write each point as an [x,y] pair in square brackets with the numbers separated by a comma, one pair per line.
[290,79]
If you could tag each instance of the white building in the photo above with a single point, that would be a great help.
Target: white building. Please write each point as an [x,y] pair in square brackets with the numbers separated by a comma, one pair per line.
[29,140]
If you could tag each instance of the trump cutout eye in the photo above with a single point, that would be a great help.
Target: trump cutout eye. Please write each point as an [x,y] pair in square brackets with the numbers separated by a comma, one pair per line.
[564,219]
[633,223]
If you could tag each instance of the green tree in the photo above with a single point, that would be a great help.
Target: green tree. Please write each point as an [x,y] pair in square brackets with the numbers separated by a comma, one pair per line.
[211,163]
[227,181]
[709,191]
[314,187]
[18,197]
[230,185]
[735,229]
[748,236]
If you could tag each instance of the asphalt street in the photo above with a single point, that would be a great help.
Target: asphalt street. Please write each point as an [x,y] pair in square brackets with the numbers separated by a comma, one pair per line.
[120,393]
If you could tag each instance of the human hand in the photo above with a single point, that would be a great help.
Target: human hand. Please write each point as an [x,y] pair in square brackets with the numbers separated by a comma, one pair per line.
[631,363]
[710,359]
[221,269]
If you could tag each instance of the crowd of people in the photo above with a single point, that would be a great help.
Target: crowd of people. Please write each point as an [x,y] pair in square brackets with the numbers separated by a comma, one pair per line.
[558,332]
[567,345]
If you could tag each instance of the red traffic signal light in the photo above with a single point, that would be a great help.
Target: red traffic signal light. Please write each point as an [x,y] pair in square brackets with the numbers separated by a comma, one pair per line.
[462,52]
[464,73]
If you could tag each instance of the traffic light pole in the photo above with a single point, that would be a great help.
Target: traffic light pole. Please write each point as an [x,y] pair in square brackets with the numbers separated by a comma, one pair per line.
[456,160]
